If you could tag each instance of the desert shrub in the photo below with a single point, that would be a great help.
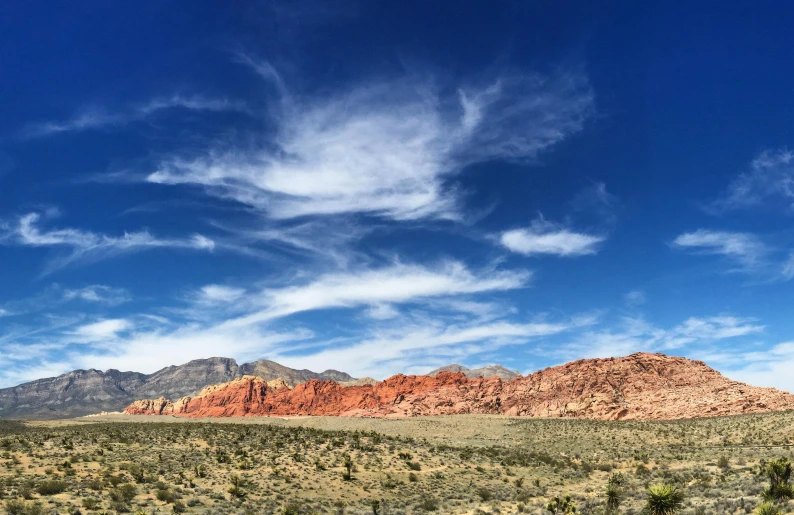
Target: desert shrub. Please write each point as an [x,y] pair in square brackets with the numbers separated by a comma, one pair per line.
[123,493]
[484,494]
[166,496]
[51,487]
[414,465]
[90,503]
[236,490]
[562,506]
[428,503]
[15,507]
[767,508]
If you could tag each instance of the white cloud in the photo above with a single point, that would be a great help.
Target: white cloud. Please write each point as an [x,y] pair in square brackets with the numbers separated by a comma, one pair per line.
[636,335]
[788,268]
[762,367]
[398,283]
[100,118]
[546,238]
[87,245]
[384,355]
[98,293]
[635,298]
[386,148]
[214,293]
[149,351]
[382,312]
[103,330]
[744,248]
[768,182]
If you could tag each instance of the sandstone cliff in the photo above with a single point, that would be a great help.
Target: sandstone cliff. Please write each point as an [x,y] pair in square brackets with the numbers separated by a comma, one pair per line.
[640,386]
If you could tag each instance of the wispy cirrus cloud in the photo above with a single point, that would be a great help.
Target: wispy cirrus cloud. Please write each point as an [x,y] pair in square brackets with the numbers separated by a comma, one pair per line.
[388,148]
[95,118]
[98,293]
[769,182]
[547,238]
[745,249]
[787,270]
[637,335]
[86,245]
[395,284]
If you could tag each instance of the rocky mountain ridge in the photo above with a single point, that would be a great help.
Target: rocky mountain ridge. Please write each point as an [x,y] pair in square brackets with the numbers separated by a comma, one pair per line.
[83,392]
[640,386]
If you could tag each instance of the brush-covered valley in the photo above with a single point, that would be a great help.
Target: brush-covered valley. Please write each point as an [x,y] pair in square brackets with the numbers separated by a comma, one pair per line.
[456,464]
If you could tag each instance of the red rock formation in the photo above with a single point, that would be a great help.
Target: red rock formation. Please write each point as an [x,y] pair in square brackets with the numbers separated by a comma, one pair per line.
[640,386]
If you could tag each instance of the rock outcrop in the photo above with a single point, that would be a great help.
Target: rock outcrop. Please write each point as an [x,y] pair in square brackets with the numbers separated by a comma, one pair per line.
[640,386]
[85,392]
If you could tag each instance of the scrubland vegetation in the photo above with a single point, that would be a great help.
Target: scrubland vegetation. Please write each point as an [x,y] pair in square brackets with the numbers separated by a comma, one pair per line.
[462,464]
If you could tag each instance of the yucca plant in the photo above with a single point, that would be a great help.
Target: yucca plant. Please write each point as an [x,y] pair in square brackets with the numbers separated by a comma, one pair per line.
[614,495]
[779,473]
[664,499]
[767,508]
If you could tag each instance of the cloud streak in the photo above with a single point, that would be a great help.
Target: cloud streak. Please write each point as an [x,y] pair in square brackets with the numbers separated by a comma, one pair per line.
[89,246]
[768,182]
[100,118]
[546,238]
[745,249]
[395,284]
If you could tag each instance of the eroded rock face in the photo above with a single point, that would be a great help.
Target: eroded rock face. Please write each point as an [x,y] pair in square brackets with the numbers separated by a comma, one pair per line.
[640,386]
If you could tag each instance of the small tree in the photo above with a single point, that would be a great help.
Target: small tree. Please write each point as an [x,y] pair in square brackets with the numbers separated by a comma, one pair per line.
[347,475]
[779,473]
[664,499]
[236,490]
[563,506]
[375,505]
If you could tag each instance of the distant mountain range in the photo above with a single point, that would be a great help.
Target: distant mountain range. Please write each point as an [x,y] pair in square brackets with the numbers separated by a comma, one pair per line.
[637,387]
[499,371]
[84,392]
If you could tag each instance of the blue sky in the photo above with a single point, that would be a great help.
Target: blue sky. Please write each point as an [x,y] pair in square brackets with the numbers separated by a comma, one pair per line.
[385,187]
